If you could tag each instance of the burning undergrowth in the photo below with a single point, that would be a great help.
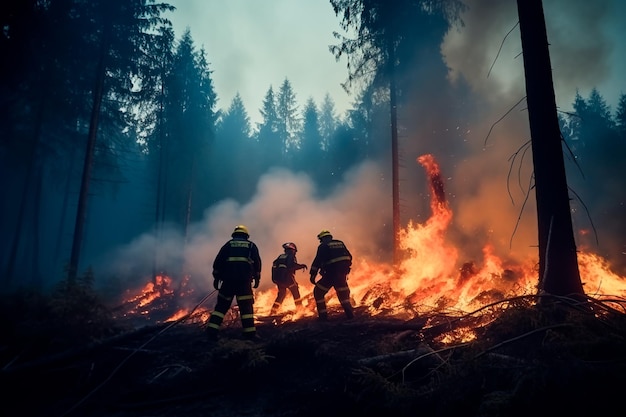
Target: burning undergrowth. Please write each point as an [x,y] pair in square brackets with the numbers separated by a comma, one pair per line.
[428,337]
[430,281]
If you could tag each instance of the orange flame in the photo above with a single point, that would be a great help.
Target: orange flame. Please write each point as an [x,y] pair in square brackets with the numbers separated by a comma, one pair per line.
[428,277]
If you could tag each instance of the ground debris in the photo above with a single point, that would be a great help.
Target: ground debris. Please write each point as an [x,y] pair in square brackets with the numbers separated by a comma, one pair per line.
[367,365]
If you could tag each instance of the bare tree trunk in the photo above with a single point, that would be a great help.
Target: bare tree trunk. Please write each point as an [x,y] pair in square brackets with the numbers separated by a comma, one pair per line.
[558,263]
[81,212]
[30,168]
[35,264]
[393,103]
[158,222]
[64,205]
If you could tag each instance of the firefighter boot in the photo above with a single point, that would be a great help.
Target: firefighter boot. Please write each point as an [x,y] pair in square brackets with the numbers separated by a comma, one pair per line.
[211,334]
[299,307]
[253,336]
[275,308]
[347,308]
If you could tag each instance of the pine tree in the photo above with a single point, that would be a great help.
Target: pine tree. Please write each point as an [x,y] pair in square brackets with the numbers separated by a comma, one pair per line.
[190,120]
[310,156]
[620,116]
[377,56]
[267,134]
[288,120]
[235,148]
[327,120]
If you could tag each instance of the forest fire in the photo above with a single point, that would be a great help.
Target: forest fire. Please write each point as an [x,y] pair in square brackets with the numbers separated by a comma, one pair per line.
[427,281]
[160,301]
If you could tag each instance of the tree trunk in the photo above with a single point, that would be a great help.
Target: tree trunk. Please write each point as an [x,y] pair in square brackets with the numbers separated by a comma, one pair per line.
[558,263]
[393,103]
[159,189]
[28,180]
[81,212]
[64,205]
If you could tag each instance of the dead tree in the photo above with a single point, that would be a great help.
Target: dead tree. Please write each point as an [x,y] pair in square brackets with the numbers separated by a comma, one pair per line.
[558,261]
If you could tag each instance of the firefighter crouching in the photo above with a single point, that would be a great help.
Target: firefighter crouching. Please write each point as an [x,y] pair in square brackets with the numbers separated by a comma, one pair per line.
[235,267]
[333,261]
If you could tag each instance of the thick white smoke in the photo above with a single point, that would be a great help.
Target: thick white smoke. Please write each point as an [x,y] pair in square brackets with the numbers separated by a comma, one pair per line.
[285,208]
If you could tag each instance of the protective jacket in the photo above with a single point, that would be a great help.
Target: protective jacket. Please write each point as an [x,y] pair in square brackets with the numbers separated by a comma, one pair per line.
[284,270]
[236,265]
[237,259]
[331,257]
[333,261]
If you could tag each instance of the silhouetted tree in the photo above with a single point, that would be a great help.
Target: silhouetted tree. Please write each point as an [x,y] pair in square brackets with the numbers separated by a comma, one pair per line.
[288,120]
[597,176]
[190,117]
[558,263]
[345,151]
[34,102]
[267,134]
[620,117]
[55,47]
[310,156]
[328,120]
[153,130]
[375,55]
[235,160]
[119,29]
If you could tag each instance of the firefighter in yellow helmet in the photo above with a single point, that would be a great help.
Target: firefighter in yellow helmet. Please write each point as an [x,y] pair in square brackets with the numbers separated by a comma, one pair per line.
[333,261]
[235,267]
[284,270]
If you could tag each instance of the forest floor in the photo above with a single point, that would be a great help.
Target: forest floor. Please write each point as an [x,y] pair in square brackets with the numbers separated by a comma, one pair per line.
[556,360]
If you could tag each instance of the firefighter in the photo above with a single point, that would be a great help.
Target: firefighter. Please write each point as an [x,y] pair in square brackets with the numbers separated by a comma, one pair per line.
[284,270]
[235,267]
[333,261]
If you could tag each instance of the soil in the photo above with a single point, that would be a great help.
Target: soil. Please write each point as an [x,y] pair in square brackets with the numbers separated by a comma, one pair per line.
[524,362]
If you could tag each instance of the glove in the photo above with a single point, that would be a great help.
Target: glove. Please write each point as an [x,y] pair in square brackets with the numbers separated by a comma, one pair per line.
[312,279]
[256,282]
[216,284]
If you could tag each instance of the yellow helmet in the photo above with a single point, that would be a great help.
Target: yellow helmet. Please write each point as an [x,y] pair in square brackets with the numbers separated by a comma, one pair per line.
[241,229]
[323,233]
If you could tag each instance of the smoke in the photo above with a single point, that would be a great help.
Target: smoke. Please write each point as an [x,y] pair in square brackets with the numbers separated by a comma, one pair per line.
[285,208]
[479,134]
[491,184]
[475,121]
[583,39]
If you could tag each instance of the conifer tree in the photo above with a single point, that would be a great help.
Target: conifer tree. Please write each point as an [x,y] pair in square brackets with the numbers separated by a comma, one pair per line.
[310,156]
[288,120]
[267,134]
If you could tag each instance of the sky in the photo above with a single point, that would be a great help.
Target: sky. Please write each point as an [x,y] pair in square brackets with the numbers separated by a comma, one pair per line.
[252,45]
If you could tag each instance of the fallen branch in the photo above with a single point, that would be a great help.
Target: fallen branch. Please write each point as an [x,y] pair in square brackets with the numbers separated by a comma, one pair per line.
[505,342]
[402,355]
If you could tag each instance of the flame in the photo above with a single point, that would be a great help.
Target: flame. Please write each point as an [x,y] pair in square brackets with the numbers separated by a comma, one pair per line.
[152,290]
[427,280]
